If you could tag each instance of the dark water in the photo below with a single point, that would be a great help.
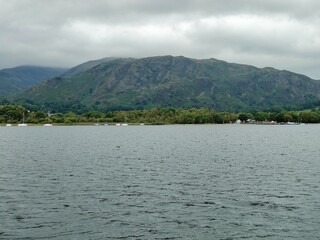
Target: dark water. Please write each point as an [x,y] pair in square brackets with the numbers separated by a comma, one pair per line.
[160,182]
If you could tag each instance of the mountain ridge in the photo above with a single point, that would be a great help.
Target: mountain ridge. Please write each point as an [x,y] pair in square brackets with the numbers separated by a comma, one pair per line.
[22,77]
[178,82]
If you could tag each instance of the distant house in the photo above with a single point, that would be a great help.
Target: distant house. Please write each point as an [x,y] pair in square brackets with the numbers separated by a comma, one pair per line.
[251,121]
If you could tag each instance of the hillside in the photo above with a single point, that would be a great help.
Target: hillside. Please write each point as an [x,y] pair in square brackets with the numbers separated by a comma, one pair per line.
[85,67]
[177,82]
[19,78]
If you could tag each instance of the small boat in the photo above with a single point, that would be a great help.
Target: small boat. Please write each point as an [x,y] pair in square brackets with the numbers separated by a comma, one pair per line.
[124,124]
[22,124]
[295,123]
[47,125]
[118,124]
[8,125]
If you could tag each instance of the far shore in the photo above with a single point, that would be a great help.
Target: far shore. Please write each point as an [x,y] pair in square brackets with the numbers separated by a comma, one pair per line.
[140,124]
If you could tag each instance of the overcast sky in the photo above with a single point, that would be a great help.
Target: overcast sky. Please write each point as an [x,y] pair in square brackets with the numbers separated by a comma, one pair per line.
[284,34]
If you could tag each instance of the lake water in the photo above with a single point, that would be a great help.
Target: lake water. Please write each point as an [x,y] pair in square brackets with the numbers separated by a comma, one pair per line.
[160,182]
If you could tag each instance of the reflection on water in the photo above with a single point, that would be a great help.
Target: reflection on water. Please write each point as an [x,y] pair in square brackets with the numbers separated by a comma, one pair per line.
[160,182]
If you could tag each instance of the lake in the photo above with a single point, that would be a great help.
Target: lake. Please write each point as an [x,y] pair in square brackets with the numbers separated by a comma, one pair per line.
[160,182]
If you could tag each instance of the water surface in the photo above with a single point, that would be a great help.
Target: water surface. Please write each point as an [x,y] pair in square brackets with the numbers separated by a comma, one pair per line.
[160,182]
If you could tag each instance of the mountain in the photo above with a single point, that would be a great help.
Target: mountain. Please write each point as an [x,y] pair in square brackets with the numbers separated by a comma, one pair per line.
[85,66]
[177,82]
[19,78]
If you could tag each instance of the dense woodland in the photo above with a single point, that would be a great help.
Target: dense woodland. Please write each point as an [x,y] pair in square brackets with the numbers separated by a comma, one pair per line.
[16,114]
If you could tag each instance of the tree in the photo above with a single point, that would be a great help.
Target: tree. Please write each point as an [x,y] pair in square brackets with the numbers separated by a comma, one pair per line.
[261,116]
[13,113]
[218,118]
[243,117]
[70,117]
[309,117]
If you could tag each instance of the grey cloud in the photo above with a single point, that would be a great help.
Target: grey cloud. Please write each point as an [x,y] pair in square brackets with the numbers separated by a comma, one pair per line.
[282,34]
[121,11]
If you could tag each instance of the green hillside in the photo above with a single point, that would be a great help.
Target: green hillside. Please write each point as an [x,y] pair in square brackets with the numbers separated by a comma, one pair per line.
[176,82]
[16,79]
[85,67]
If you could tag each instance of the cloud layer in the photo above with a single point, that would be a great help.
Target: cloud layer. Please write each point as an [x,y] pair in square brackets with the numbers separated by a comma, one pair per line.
[282,34]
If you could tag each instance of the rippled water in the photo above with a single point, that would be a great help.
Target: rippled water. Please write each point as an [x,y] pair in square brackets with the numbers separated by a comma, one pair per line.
[160,182]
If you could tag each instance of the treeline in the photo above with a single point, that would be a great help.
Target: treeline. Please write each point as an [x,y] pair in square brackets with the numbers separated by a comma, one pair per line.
[16,114]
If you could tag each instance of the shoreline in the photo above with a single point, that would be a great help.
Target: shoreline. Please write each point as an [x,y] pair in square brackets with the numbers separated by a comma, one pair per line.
[93,124]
